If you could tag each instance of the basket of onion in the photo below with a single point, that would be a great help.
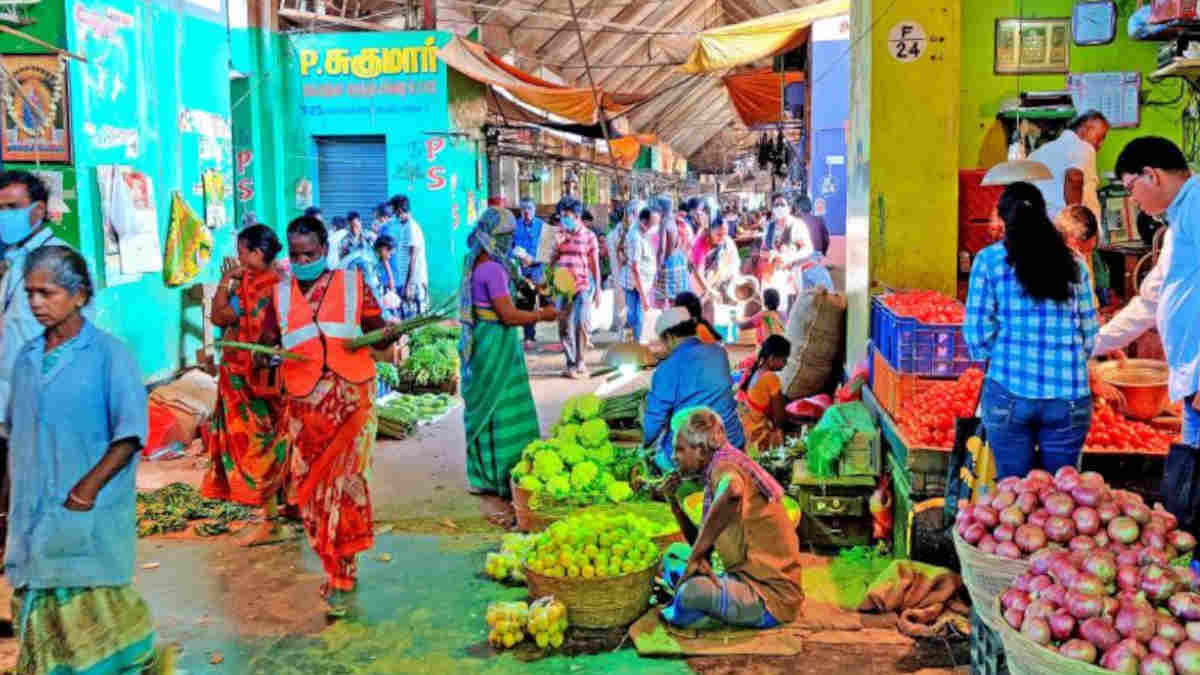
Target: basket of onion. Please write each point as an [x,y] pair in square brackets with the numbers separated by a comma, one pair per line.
[1127,602]
[994,539]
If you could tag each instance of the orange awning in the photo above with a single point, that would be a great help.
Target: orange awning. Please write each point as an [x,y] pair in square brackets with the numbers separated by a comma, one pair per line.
[627,148]
[758,95]
[575,104]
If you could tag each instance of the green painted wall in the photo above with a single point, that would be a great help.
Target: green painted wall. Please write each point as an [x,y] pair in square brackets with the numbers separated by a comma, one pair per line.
[982,141]
[144,72]
[48,24]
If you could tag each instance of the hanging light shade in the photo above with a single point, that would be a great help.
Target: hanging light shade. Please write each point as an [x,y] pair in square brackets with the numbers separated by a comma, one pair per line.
[1016,171]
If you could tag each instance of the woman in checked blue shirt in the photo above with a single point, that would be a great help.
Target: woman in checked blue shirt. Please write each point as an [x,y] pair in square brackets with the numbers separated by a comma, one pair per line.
[1030,315]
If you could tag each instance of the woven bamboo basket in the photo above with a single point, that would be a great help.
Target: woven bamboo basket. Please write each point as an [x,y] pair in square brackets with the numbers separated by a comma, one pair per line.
[1026,657]
[608,602]
[528,519]
[664,541]
[986,578]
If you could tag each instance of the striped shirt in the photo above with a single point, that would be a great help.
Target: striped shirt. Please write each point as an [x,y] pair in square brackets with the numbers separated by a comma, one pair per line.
[1036,349]
[575,251]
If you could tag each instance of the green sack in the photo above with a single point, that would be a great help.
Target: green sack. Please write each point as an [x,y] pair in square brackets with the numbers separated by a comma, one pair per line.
[828,439]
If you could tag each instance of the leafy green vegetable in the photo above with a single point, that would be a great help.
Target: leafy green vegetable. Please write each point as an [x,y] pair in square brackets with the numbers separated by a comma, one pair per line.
[387,373]
[169,509]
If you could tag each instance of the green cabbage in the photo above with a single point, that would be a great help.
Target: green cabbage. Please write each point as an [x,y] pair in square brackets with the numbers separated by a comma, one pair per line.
[559,486]
[583,474]
[572,453]
[531,483]
[587,406]
[547,465]
[593,432]
[603,454]
[618,491]
[568,411]
[568,433]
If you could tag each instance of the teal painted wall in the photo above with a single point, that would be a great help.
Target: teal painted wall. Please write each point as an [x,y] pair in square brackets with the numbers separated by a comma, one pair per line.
[267,138]
[145,70]
[440,170]
[982,142]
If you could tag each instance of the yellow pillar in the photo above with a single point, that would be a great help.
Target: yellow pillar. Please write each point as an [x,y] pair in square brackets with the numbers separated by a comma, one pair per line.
[902,217]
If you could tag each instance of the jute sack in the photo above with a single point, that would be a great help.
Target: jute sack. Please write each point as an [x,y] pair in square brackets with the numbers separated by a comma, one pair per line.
[816,328]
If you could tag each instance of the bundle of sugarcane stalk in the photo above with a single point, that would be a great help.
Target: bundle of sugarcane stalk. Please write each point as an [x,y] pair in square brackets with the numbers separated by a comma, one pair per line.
[394,423]
[258,349]
[624,411]
[444,310]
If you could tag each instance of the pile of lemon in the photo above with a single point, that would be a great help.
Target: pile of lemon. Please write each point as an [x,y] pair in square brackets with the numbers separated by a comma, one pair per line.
[507,621]
[547,622]
[593,546]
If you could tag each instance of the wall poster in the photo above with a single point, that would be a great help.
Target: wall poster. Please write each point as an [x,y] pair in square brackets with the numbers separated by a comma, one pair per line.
[1032,46]
[35,126]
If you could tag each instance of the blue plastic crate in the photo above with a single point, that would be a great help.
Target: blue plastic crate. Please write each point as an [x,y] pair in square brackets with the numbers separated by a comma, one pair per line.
[915,348]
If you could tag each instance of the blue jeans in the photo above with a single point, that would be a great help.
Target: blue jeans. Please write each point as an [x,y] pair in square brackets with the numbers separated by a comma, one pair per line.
[572,329]
[1191,422]
[1018,429]
[633,312]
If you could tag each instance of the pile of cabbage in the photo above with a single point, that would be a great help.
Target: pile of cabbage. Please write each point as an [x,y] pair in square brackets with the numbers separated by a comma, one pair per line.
[576,466]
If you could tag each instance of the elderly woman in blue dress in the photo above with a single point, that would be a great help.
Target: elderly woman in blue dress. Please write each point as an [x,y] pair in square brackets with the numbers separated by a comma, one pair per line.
[77,421]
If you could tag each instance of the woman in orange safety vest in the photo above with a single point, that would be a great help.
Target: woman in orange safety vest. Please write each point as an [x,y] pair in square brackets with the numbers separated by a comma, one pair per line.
[328,414]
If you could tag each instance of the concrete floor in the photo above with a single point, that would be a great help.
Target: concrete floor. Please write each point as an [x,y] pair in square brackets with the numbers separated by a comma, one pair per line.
[237,610]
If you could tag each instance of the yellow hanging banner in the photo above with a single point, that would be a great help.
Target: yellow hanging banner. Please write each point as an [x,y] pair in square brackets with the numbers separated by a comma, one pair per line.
[749,41]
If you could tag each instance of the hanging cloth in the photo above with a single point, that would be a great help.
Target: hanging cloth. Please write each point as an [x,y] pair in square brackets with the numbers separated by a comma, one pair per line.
[189,243]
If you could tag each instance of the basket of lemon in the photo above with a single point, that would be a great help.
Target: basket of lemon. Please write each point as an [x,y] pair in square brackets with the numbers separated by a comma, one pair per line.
[600,566]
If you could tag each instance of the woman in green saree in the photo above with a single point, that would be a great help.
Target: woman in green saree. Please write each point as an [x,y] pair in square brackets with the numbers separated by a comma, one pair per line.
[500,416]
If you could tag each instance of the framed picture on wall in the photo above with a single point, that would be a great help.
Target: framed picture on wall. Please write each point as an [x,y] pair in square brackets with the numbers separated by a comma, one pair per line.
[36,124]
[1032,46]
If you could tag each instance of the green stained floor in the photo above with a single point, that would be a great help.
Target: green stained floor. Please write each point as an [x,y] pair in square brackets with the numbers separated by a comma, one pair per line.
[422,612]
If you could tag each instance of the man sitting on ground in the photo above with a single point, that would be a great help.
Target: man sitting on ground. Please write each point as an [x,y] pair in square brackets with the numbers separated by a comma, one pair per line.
[745,521]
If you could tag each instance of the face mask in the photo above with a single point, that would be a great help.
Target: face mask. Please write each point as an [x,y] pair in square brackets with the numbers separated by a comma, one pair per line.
[14,224]
[780,212]
[569,223]
[309,271]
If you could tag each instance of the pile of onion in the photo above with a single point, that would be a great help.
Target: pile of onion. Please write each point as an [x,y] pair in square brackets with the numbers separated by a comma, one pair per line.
[1101,587]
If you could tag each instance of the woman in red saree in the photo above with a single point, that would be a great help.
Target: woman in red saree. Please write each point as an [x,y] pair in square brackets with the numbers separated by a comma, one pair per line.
[248,457]
[328,414]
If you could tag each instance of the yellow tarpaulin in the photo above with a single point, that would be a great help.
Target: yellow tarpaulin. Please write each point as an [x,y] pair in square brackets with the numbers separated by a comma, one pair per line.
[749,41]
[575,104]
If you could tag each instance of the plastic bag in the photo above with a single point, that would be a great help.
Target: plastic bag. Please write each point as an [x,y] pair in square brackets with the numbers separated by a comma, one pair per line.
[507,621]
[547,622]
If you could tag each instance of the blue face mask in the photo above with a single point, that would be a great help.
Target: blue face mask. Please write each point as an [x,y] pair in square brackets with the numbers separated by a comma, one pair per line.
[569,223]
[309,271]
[15,225]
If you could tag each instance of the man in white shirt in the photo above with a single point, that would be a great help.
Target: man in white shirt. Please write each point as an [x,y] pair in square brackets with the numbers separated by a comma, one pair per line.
[1072,161]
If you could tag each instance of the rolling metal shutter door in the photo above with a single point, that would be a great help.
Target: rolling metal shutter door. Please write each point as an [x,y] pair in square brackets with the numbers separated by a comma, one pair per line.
[351,175]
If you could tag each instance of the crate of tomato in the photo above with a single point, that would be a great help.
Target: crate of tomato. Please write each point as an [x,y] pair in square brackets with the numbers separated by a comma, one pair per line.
[920,333]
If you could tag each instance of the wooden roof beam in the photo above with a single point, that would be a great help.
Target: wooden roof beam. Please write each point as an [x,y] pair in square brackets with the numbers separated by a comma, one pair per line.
[600,43]
[736,10]
[703,129]
[644,81]
[642,117]
[681,14]
[566,43]
[676,118]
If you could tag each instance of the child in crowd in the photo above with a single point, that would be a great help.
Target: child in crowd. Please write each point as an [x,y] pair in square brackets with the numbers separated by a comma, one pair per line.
[761,404]
[767,322]
[704,330]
